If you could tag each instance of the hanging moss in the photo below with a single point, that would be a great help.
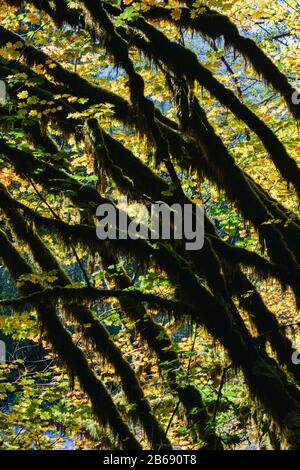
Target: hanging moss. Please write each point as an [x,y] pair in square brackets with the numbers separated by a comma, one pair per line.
[184,63]
[102,157]
[146,326]
[173,147]
[263,379]
[234,255]
[95,331]
[262,267]
[89,237]
[111,141]
[98,19]
[205,282]
[71,355]
[264,320]
[67,236]
[248,199]
[158,340]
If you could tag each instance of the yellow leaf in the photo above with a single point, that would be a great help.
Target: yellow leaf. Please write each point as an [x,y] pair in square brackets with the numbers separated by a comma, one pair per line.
[23,94]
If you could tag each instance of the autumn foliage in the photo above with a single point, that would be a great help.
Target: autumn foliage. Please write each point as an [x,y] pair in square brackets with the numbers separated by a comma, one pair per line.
[147,345]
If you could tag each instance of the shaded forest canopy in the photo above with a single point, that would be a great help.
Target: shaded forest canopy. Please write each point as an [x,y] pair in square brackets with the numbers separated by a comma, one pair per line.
[155,101]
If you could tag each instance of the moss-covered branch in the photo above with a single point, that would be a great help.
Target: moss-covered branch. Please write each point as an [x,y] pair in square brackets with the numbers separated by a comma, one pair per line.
[68,352]
[213,25]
